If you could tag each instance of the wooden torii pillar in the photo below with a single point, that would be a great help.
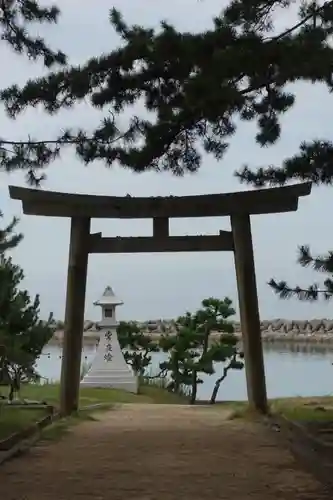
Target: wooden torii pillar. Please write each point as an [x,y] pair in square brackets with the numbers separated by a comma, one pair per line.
[74,314]
[249,312]
[238,206]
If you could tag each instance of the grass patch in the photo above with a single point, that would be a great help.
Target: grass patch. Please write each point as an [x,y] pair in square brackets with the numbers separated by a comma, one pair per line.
[305,409]
[158,395]
[50,393]
[298,409]
[241,410]
[317,409]
[303,414]
[13,419]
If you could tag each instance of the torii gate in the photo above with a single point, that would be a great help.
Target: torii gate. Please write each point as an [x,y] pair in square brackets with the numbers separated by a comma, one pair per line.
[82,208]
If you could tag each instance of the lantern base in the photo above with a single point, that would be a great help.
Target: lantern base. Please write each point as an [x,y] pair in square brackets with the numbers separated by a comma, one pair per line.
[124,380]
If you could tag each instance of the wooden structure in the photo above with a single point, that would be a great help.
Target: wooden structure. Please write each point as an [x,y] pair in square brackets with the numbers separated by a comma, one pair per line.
[82,208]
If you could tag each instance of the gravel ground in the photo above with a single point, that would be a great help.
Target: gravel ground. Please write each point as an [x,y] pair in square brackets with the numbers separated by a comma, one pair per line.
[159,452]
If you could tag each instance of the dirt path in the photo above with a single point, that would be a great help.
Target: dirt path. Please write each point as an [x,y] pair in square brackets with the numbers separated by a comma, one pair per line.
[157,452]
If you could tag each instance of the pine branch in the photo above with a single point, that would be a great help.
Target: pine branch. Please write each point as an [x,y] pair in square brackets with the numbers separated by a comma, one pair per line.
[323,264]
[312,293]
[8,239]
[33,155]
[195,84]
[15,16]
[314,163]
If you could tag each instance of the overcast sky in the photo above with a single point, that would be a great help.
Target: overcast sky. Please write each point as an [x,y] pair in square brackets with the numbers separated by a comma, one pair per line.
[162,285]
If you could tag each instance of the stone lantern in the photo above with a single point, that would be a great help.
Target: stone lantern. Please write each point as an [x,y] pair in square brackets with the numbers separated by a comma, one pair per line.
[109,368]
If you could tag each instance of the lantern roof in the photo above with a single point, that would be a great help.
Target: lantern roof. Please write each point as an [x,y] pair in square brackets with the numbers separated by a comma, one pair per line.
[108,298]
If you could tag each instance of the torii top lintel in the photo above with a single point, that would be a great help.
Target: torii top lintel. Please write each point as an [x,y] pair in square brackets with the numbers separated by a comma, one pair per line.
[261,201]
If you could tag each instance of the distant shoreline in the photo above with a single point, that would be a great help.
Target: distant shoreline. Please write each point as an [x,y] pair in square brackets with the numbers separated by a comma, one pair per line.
[92,337]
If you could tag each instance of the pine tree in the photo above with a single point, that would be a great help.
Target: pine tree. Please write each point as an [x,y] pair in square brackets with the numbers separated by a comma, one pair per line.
[137,346]
[22,334]
[195,85]
[192,351]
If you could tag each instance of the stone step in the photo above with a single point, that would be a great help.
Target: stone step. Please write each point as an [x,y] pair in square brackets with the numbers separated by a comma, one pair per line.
[110,378]
[130,385]
[103,373]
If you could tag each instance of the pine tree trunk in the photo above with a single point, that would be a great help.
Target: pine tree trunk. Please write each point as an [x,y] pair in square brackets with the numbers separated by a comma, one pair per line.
[11,393]
[194,388]
[216,390]
[177,379]
[219,382]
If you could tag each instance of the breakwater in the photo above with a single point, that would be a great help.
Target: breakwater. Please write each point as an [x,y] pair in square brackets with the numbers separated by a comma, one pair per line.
[315,330]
